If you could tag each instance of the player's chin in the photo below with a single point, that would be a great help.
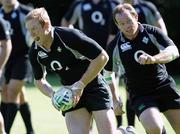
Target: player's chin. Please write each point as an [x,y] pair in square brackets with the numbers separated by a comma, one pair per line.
[37,39]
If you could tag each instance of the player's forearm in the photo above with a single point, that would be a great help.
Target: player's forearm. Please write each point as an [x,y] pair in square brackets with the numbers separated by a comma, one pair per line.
[167,55]
[110,38]
[44,87]
[65,23]
[111,80]
[114,91]
[5,52]
[95,68]
[160,23]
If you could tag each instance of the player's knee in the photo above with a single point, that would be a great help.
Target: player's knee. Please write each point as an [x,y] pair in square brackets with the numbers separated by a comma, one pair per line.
[154,130]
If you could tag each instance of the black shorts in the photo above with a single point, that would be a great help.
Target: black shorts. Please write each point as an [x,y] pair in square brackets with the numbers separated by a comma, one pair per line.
[96,96]
[164,98]
[19,69]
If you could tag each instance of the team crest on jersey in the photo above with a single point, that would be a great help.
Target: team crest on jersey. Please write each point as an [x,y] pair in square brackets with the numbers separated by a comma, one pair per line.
[67,68]
[125,46]
[13,15]
[145,40]
[59,49]
[86,7]
[42,54]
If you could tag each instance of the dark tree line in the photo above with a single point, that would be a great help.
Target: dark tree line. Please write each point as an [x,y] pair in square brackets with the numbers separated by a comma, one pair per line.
[169,10]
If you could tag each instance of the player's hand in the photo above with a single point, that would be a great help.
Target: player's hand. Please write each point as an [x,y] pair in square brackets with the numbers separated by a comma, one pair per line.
[56,102]
[77,89]
[59,105]
[118,107]
[145,59]
[61,99]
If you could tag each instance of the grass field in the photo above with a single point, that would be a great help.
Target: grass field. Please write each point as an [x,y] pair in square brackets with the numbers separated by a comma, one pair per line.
[47,120]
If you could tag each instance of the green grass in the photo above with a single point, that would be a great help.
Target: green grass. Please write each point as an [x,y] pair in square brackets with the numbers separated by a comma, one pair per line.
[47,120]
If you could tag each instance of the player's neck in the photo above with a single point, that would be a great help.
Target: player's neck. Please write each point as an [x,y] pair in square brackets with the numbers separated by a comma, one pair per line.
[133,36]
[8,9]
[49,40]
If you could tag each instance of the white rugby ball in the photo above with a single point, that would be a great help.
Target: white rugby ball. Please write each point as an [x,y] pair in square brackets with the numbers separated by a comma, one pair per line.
[62,99]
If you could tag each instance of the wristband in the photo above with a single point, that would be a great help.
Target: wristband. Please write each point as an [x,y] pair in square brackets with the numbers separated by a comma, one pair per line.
[118,103]
[78,85]
[173,57]
[108,78]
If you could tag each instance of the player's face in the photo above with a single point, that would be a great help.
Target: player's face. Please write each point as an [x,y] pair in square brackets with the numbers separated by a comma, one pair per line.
[36,30]
[127,24]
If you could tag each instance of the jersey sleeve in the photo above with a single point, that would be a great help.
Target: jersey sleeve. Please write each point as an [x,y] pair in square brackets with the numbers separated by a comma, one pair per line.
[109,50]
[153,9]
[73,13]
[37,68]
[78,41]
[113,28]
[4,30]
[114,64]
[160,39]
[152,15]
[114,56]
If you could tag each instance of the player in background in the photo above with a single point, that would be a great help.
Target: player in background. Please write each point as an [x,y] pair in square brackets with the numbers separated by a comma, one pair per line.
[5,50]
[147,14]
[17,67]
[142,51]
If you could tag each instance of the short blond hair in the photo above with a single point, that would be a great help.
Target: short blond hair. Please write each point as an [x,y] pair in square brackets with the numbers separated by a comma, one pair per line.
[121,8]
[39,14]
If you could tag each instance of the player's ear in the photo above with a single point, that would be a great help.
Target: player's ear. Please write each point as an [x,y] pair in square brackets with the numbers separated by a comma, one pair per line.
[136,16]
[46,26]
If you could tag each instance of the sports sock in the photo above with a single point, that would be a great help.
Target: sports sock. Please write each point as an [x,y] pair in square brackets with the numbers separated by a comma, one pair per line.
[26,115]
[4,110]
[164,130]
[12,109]
[130,114]
[119,120]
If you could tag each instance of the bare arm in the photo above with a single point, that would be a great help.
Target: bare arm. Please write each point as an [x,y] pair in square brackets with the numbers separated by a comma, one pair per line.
[167,55]
[65,23]
[44,87]
[6,48]
[110,78]
[117,102]
[110,38]
[160,23]
[95,67]
[72,16]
